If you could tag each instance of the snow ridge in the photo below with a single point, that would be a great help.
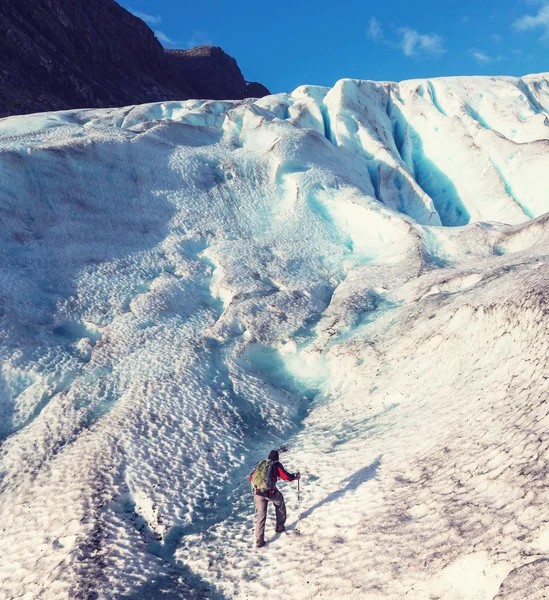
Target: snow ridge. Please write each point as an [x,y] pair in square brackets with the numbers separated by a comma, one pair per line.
[357,272]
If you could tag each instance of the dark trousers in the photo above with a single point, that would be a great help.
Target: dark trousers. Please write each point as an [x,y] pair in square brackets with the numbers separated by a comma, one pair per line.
[261,503]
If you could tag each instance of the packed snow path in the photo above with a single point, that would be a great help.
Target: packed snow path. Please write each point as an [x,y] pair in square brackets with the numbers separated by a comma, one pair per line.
[357,272]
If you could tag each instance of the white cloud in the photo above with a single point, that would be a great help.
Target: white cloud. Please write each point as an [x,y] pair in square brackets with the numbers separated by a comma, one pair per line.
[483,58]
[480,56]
[496,37]
[410,42]
[199,38]
[418,44]
[374,31]
[529,22]
[150,19]
[164,39]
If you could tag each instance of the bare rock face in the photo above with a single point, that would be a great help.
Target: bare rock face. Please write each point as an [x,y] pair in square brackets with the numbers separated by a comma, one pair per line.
[59,54]
[214,73]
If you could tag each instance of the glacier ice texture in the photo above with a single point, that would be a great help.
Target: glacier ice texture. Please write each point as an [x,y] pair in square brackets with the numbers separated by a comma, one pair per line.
[358,272]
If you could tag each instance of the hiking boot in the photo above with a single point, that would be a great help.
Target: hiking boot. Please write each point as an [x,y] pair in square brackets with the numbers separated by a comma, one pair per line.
[280,529]
[260,543]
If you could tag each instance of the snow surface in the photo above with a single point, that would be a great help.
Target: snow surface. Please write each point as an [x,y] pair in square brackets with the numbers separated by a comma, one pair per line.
[357,272]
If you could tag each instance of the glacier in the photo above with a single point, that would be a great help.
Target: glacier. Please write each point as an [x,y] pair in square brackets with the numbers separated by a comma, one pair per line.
[356,272]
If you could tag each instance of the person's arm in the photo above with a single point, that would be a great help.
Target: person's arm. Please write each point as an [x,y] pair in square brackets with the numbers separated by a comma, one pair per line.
[283,474]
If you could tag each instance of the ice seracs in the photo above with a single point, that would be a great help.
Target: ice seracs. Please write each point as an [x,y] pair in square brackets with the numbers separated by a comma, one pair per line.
[358,272]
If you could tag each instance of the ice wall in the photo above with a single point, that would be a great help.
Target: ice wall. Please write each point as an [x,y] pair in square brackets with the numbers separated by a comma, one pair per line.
[356,271]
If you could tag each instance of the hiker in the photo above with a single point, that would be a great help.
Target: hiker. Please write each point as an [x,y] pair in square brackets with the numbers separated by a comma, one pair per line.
[264,478]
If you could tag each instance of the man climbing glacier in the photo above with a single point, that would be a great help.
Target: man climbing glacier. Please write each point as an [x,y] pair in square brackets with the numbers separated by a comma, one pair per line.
[264,478]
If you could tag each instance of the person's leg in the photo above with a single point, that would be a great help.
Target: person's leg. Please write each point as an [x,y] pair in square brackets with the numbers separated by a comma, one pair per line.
[280,506]
[261,505]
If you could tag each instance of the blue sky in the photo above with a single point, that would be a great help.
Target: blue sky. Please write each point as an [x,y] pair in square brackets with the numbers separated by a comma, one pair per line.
[284,45]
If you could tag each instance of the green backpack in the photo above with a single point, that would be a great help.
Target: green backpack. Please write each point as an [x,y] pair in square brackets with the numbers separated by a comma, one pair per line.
[264,477]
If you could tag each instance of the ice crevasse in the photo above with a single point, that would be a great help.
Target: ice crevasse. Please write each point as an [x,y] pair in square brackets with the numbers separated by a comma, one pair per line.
[359,273]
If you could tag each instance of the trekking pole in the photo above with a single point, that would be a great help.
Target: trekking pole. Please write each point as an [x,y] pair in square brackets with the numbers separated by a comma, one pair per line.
[298,507]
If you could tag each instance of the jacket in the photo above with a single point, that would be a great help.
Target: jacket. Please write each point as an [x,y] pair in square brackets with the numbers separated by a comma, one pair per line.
[280,472]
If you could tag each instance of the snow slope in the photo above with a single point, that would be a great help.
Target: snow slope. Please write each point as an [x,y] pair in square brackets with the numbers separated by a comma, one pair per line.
[357,272]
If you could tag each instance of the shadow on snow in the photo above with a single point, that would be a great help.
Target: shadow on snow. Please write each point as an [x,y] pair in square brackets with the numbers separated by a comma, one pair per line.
[352,483]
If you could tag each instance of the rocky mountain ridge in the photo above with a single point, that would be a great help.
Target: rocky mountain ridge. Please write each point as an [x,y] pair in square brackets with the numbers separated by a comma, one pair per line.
[61,54]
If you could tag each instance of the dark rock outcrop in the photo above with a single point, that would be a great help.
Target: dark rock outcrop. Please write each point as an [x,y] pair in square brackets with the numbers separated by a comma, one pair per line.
[214,73]
[59,54]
